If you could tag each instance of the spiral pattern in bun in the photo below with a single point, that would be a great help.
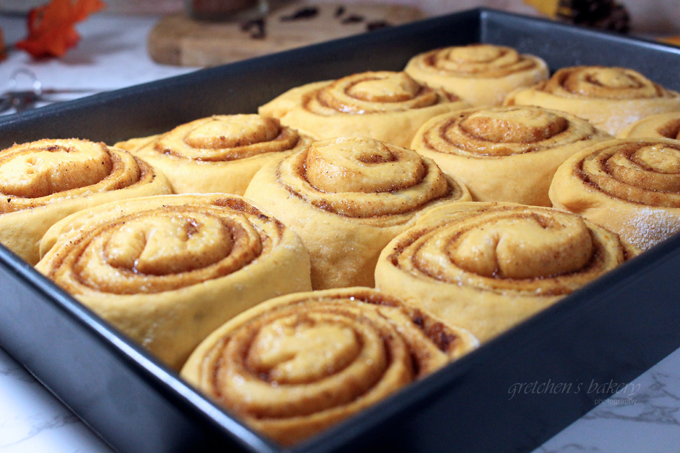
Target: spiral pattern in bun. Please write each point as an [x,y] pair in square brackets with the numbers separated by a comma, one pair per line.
[487,266]
[387,106]
[631,186]
[347,198]
[168,270]
[295,365]
[481,74]
[44,181]
[218,154]
[505,153]
[663,125]
[610,98]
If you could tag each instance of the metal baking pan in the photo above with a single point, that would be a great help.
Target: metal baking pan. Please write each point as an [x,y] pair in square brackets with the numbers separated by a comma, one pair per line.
[611,331]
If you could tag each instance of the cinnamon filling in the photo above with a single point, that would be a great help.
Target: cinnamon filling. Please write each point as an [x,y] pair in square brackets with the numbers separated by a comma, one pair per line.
[226,138]
[641,172]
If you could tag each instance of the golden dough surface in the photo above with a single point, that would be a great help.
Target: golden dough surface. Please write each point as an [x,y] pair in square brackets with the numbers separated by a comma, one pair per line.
[168,270]
[295,365]
[480,74]
[44,181]
[347,197]
[384,105]
[488,266]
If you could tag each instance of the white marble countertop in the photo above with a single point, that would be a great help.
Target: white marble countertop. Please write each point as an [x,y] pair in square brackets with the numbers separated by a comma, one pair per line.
[645,419]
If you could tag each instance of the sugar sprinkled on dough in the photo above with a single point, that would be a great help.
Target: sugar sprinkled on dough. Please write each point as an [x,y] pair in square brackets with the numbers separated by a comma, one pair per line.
[652,226]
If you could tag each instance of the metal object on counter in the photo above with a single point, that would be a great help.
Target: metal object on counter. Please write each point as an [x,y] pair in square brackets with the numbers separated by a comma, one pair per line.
[16,97]
[25,91]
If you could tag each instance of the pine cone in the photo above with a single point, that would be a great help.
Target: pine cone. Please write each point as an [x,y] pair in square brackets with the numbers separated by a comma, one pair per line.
[602,14]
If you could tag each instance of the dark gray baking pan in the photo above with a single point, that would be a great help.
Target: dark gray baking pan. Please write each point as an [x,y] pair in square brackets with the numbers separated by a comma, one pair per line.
[609,332]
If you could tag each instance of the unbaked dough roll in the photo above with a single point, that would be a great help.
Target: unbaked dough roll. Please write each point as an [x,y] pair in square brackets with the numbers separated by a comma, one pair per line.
[218,154]
[662,125]
[481,74]
[610,98]
[295,365]
[488,266]
[44,181]
[505,153]
[387,106]
[347,198]
[631,186]
[168,270]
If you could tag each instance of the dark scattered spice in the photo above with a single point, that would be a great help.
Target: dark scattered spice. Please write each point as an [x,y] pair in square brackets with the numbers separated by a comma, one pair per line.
[256,27]
[377,25]
[307,12]
[352,19]
[339,11]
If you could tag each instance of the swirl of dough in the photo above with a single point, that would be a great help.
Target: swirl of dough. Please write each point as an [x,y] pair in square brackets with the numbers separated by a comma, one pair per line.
[362,190]
[631,186]
[371,92]
[224,137]
[505,153]
[604,83]
[168,270]
[364,178]
[388,106]
[663,125]
[487,266]
[220,153]
[478,59]
[295,365]
[38,173]
[481,74]
[505,131]
[41,182]
[610,98]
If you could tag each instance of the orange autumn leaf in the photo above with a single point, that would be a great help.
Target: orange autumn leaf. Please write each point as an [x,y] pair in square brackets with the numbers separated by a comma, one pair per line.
[3,52]
[51,28]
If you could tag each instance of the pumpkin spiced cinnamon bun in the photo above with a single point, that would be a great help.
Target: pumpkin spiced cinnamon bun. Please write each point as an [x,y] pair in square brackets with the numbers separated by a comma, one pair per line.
[505,153]
[662,125]
[295,365]
[487,266]
[631,186]
[610,98]
[218,154]
[44,181]
[387,106]
[168,270]
[347,198]
[481,74]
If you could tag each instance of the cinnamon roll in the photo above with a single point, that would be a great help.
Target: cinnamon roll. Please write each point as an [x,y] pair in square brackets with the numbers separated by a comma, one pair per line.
[387,106]
[295,365]
[662,125]
[44,181]
[218,154]
[481,74]
[631,186]
[487,266]
[610,98]
[168,270]
[505,153]
[347,198]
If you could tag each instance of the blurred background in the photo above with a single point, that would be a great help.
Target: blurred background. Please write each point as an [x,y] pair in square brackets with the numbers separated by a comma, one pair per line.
[56,50]
[647,16]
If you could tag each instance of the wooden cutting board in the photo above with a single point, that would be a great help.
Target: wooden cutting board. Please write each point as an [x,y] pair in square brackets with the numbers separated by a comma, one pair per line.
[180,40]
